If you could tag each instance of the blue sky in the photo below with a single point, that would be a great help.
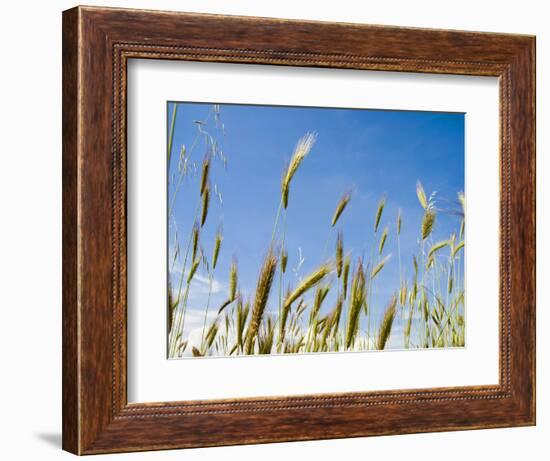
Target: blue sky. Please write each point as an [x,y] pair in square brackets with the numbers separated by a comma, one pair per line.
[372,153]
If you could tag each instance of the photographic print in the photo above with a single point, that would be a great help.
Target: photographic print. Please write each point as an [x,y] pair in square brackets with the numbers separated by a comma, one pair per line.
[241,208]
[296,230]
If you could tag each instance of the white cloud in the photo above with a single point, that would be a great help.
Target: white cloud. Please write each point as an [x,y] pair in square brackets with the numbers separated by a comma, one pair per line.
[193,328]
[200,285]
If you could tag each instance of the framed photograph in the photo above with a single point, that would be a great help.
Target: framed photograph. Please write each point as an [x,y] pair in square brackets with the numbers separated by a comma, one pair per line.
[284,230]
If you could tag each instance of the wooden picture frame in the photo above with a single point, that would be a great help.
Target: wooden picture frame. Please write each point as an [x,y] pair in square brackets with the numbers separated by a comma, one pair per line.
[97,43]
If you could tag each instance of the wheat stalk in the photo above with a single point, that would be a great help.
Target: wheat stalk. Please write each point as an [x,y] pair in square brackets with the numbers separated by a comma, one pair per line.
[171,134]
[462,200]
[399,222]
[320,295]
[376,269]
[171,307]
[357,299]
[345,276]
[340,207]
[428,223]
[379,211]
[195,244]
[339,254]
[284,260]
[217,247]
[403,294]
[457,248]
[196,352]
[233,281]
[205,204]
[307,283]
[242,315]
[337,313]
[386,324]
[263,287]
[215,254]
[204,174]
[303,147]
[421,195]
[382,241]
[226,303]
[282,322]
[211,336]
[265,340]
[437,246]
[194,268]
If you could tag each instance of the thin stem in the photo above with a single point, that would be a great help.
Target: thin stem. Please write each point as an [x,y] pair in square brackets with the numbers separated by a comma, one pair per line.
[171,134]
[191,150]
[181,319]
[280,267]
[211,276]
[401,280]
[180,178]
[370,304]
[449,272]
[180,283]
[326,242]
[276,220]
[422,300]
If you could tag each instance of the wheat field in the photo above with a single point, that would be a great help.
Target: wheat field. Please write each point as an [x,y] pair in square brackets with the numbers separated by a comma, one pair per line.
[335,307]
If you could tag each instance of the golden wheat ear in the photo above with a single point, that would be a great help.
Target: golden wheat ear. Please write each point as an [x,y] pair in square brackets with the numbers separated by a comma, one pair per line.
[205,204]
[379,211]
[303,147]
[233,281]
[309,282]
[339,254]
[428,222]
[217,247]
[386,324]
[357,299]
[340,207]
[263,288]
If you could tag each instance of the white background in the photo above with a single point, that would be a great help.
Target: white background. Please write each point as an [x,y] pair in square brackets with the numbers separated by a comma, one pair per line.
[153,378]
[30,235]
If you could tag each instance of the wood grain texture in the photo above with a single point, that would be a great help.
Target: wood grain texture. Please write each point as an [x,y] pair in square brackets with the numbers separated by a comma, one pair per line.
[97,43]
[70,385]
